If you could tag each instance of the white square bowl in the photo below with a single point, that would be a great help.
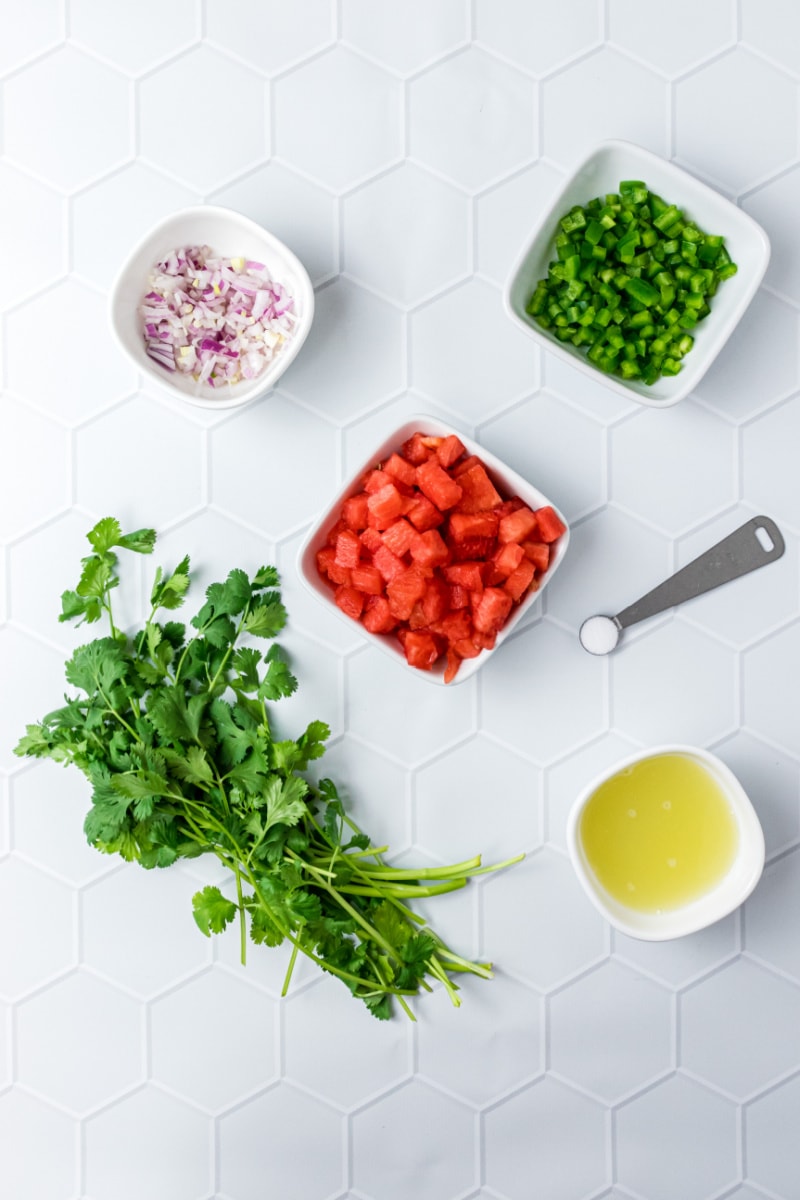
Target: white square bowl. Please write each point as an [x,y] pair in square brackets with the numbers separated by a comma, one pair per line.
[600,173]
[730,891]
[508,483]
[231,235]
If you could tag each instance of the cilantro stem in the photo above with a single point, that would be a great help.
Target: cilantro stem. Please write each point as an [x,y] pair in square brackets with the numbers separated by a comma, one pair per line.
[290,969]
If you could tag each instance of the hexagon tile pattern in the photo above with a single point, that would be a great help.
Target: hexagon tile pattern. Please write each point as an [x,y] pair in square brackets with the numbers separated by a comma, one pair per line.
[404,152]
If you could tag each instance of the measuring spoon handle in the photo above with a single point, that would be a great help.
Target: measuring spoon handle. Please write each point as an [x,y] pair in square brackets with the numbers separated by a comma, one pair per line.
[737,554]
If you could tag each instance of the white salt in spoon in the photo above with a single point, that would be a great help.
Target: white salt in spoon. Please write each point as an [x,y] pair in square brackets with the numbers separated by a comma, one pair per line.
[753,545]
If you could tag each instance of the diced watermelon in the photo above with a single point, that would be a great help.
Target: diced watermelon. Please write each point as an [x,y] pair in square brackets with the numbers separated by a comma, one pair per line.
[435,602]
[423,514]
[415,450]
[467,647]
[473,553]
[421,649]
[459,596]
[550,524]
[367,579]
[354,512]
[404,591]
[400,536]
[509,506]
[471,460]
[329,568]
[520,579]
[334,532]
[389,565]
[478,548]
[468,574]
[449,450]
[479,493]
[452,664]
[371,540]
[504,561]
[374,480]
[429,549]
[400,469]
[348,549]
[377,616]
[538,553]
[463,525]
[437,485]
[517,526]
[349,600]
[455,625]
[385,506]
[490,613]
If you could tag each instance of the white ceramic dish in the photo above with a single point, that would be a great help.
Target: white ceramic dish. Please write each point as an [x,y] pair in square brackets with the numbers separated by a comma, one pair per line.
[732,890]
[229,234]
[508,482]
[745,240]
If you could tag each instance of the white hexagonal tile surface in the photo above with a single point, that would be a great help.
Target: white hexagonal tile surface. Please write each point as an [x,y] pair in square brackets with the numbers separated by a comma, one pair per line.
[472,117]
[722,1043]
[135,42]
[406,234]
[654,1129]
[59,1033]
[611,1031]
[405,154]
[727,143]
[236,144]
[235,1061]
[91,95]
[546,1143]
[176,1165]
[358,94]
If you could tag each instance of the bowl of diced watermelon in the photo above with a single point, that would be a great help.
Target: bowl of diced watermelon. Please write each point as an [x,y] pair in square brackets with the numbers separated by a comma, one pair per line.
[435,548]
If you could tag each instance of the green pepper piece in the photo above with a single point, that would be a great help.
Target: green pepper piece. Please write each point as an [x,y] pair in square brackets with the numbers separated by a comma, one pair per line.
[641,291]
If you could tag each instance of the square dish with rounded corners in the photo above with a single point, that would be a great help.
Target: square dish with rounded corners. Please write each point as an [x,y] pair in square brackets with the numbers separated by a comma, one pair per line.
[229,234]
[600,173]
[508,483]
[726,895]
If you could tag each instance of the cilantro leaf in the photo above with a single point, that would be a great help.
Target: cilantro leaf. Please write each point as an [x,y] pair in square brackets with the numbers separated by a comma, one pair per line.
[97,665]
[266,618]
[265,577]
[73,605]
[246,661]
[212,911]
[278,680]
[105,534]
[141,541]
[170,591]
[284,800]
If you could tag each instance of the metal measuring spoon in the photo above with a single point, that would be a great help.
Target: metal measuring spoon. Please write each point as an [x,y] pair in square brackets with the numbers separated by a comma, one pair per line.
[749,547]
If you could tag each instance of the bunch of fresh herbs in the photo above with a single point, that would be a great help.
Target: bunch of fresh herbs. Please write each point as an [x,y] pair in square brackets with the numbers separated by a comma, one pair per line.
[171,727]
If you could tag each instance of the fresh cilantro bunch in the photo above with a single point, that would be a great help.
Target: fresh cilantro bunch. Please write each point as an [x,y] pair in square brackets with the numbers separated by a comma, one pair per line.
[171,727]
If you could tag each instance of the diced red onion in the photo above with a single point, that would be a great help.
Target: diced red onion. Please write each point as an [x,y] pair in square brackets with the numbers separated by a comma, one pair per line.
[219,320]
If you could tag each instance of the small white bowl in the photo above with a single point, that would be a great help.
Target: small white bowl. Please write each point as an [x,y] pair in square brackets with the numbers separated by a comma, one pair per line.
[731,891]
[600,173]
[231,235]
[508,483]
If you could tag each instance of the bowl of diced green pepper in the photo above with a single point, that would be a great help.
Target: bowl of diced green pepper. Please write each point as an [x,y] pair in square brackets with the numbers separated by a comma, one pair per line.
[637,273]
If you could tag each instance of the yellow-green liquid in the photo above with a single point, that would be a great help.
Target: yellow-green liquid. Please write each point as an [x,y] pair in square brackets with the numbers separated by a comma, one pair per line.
[660,833]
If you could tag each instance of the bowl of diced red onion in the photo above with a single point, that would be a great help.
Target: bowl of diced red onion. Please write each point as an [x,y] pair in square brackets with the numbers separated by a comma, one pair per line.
[212,307]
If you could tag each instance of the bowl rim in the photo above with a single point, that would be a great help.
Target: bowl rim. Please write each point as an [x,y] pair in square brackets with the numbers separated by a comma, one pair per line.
[237,395]
[314,537]
[710,907]
[684,384]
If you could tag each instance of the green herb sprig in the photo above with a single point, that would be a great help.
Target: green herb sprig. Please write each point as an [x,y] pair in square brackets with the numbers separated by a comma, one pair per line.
[171,728]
